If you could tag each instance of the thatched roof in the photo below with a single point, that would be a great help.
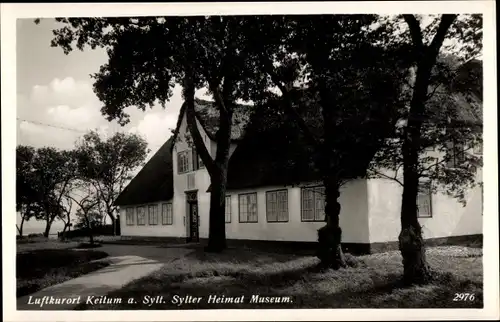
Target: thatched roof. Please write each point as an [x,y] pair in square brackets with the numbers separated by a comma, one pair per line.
[154,182]
[265,153]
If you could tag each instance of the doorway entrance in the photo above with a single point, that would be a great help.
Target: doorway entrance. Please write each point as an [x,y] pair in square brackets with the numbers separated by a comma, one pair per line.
[193,226]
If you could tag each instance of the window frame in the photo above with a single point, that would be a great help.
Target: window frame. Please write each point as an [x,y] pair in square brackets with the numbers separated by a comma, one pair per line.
[227,206]
[197,162]
[152,215]
[143,221]
[454,162]
[256,208]
[130,217]
[165,219]
[428,193]
[179,154]
[314,204]
[277,191]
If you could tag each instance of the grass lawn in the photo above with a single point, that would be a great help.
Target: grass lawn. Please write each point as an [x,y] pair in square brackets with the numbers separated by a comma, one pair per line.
[28,244]
[40,268]
[373,283]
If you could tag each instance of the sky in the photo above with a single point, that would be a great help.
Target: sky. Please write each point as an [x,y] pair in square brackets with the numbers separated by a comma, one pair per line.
[55,101]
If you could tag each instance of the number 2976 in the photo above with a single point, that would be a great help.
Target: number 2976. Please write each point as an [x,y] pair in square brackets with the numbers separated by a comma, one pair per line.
[464,297]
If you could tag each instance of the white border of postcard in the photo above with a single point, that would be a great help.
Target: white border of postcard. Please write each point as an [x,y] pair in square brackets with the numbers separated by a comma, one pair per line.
[9,14]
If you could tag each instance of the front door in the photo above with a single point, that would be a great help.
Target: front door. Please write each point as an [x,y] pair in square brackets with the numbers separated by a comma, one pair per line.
[193,219]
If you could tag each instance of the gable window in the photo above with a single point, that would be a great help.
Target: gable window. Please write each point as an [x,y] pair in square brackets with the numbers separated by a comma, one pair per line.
[456,155]
[424,201]
[228,209]
[277,206]
[130,216]
[153,215]
[183,162]
[247,203]
[167,217]
[141,215]
[197,162]
[313,204]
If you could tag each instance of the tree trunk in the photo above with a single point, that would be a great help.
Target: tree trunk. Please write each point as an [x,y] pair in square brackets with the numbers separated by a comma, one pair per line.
[217,223]
[47,229]
[217,168]
[411,243]
[330,236]
[48,225]
[113,221]
[89,227]
[65,228]
[20,227]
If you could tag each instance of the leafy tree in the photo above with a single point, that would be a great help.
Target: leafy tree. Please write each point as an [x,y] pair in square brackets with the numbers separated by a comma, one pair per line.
[108,164]
[50,173]
[342,101]
[148,56]
[27,204]
[426,120]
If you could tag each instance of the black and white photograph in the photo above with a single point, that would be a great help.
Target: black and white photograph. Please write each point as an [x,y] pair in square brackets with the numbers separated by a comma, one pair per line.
[234,163]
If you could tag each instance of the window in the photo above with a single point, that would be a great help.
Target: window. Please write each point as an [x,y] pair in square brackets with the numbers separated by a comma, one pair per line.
[456,155]
[197,162]
[153,215]
[248,207]
[277,206]
[228,209]
[167,217]
[130,216]
[183,162]
[141,215]
[313,204]
[424,201]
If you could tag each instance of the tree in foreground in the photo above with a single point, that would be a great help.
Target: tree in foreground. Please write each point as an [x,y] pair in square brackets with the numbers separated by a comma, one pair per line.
[341,100]
[420,129]
[107,164]
[148,56]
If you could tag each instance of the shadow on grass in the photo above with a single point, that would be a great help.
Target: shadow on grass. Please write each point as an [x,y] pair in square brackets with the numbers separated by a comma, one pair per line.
[42,268]
[374,282]
[384,292]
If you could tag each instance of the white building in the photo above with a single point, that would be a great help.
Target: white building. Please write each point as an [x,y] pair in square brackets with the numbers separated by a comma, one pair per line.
[169,198]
